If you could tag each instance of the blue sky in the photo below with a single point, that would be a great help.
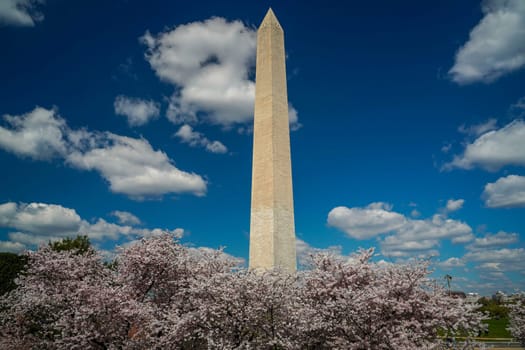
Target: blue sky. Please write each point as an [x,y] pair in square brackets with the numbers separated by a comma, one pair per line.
[123,118]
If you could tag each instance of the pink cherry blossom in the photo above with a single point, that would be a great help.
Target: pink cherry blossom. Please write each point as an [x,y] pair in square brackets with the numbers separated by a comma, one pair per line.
[160,294]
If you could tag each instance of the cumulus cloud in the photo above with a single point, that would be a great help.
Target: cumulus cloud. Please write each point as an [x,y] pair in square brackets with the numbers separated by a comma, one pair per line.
[131,166]
[493,240]
[126,218]
[196,139]
[495,46]
[364,223]
[22,13]
[210,64]
[39,218]
[425,235]
[494,149]
[453,205]
[506,192]
[407,236]
[397,245]
[495,264]
[137,111]
[39,134]
[39,223]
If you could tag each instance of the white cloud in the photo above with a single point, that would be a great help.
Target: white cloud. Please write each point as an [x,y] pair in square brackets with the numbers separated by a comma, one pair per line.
[393,245]
[196,139]
[380,206]
[437,227]
[39,218]
[490,266]
[20,12]
[495,46]
[494,149]
[38,134]
[32,239]
[497,265]
[364,223]
[409,236]
[216,147]
[101,229]
[136,110]
[210,64]
[131,166]
[492,261]
[126,218]
[451,263]
[493,240]
[498,256]
[453,205]
[506,192]
[39,223]
[423,235]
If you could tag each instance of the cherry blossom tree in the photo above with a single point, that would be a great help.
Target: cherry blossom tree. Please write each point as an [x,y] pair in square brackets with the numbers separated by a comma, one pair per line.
[517,320]
[255,310]
[362,305]
[160,294]
[65,300]
[166,278]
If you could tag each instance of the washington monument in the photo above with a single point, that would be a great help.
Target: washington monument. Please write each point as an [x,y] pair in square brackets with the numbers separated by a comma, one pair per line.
[272,230]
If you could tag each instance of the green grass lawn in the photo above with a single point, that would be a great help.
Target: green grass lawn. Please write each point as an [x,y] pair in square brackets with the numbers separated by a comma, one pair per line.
[497,328]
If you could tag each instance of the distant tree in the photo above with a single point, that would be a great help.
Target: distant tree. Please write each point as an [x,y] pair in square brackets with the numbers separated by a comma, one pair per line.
[493,307]
[11,265]
[80,245]
[517,320]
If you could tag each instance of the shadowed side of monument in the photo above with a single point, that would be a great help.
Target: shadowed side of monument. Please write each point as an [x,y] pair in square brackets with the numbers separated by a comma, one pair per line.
[272,229]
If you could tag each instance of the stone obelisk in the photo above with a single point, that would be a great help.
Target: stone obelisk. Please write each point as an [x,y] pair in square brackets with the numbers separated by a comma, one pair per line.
[272,231]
